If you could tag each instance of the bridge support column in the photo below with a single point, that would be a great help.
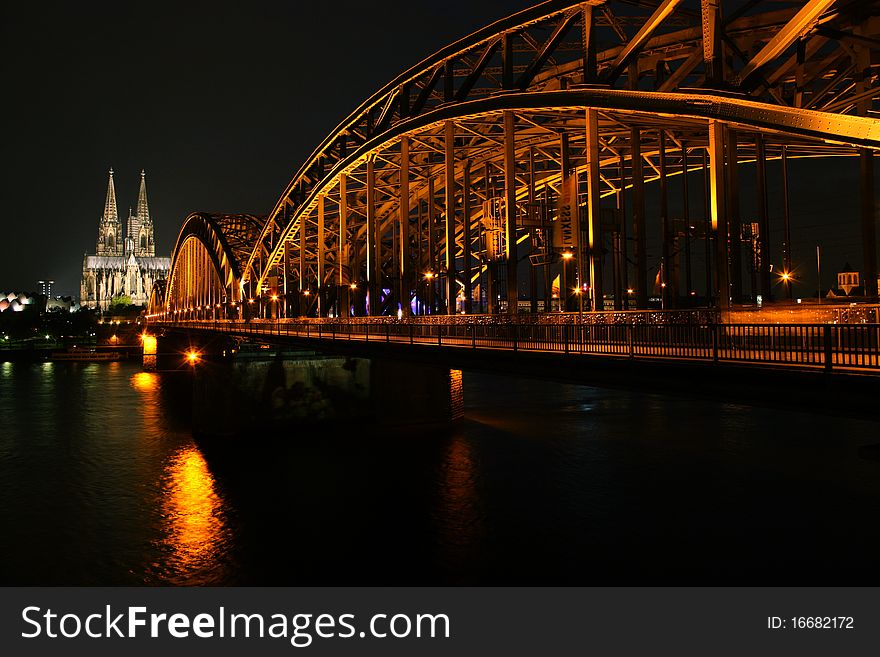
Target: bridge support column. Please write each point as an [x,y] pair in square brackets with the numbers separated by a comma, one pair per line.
[321,292]
[786,226]
[763,216]
[869,223]
[510,209]
[403,272]
[431,273]
[345,279]
[374,268]
[686,217]
[450,224]
[666,286]
[564,185]
[733,218]
[718,210]
[302,299]
[467,271]
[621,276]
[638,212]
[594,228]
[707,229]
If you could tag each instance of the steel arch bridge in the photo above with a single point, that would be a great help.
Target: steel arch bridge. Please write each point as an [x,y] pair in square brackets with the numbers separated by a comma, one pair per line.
[536,136]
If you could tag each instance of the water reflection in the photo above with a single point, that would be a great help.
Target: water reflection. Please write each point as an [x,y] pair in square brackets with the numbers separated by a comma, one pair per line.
[460,516]
[195,526]
[145,382]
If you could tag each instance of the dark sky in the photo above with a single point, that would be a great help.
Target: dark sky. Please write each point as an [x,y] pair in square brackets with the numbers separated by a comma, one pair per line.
[220,102]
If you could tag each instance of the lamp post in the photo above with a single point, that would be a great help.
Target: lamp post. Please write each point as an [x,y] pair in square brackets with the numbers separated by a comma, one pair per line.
[563,291]
[429,278]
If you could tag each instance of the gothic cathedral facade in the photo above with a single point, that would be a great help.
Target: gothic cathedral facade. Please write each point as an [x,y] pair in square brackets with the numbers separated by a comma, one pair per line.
[124,264]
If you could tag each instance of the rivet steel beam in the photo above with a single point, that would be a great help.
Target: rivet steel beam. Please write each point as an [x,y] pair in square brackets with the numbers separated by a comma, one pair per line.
[796,28]
[510,210]
[718,210]
[404,276]
[594,205]
[450,224]
[639,224]
[635,44]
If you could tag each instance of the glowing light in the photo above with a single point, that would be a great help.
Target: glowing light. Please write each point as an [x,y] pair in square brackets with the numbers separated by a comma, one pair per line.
[629,290]
[149,344]
[786,276]
[192,357]
[429,275]
[567,255]
[353,286]
[145,381]
[250,300]
[274,298]
[194,520]
[306,293]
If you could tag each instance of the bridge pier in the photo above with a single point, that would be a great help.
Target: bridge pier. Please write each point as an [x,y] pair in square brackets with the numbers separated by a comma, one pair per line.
[286,394]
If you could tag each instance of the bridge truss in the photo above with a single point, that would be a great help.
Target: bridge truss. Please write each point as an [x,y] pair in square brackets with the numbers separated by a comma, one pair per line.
[528,146]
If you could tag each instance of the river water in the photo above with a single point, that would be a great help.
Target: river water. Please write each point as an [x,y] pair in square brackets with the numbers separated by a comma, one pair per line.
[101,482]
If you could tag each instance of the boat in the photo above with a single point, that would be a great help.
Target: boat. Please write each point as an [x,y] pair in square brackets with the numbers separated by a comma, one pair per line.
[80,355]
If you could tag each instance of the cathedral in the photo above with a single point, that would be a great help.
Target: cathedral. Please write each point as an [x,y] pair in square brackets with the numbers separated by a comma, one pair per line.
[124,264]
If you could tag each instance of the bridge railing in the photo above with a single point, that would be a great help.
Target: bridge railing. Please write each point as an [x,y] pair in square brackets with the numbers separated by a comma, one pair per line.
[808,345]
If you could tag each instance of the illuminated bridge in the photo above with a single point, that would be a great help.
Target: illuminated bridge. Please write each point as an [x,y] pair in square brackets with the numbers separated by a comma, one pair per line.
[494,195]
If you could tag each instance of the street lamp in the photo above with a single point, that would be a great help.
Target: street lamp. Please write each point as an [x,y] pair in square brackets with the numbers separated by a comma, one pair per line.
[563,301]
[429,277]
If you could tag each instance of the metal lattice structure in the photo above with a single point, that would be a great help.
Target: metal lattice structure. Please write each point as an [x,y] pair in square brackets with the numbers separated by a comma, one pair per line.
[206,264]
[536,136]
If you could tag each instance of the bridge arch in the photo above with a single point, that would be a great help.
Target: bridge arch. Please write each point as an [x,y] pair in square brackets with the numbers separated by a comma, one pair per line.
[613,94]
[206,265]
[535,136]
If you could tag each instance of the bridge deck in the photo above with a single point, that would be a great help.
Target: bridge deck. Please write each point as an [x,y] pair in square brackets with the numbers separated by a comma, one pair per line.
[840,347]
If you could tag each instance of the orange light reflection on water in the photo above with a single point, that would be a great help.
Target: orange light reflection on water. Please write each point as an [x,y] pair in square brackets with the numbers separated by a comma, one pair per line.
[195,528]
[461,514]
[145,382]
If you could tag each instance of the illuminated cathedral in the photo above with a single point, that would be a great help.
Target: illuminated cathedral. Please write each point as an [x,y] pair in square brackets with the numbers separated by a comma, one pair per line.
[124,264]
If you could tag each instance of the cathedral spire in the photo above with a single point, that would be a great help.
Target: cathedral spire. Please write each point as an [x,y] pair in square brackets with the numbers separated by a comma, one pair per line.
[143,211]
[110,213]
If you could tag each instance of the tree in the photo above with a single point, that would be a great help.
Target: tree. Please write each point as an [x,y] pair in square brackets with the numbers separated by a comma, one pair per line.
[120,303]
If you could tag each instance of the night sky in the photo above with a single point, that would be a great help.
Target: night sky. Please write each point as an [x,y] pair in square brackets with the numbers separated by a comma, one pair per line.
[221,102]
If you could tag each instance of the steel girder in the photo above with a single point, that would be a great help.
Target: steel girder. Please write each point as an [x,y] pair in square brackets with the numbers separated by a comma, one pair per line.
[542,117]
[227,241]
[526,61]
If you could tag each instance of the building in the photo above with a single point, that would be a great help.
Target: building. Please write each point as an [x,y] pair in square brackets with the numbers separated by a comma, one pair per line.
[46,288]
[849,285]
[125,262]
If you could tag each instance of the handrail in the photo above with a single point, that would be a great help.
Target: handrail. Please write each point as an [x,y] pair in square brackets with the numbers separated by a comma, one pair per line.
[818,346]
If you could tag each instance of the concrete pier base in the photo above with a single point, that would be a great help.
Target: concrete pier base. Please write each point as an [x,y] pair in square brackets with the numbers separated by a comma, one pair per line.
[284,394]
